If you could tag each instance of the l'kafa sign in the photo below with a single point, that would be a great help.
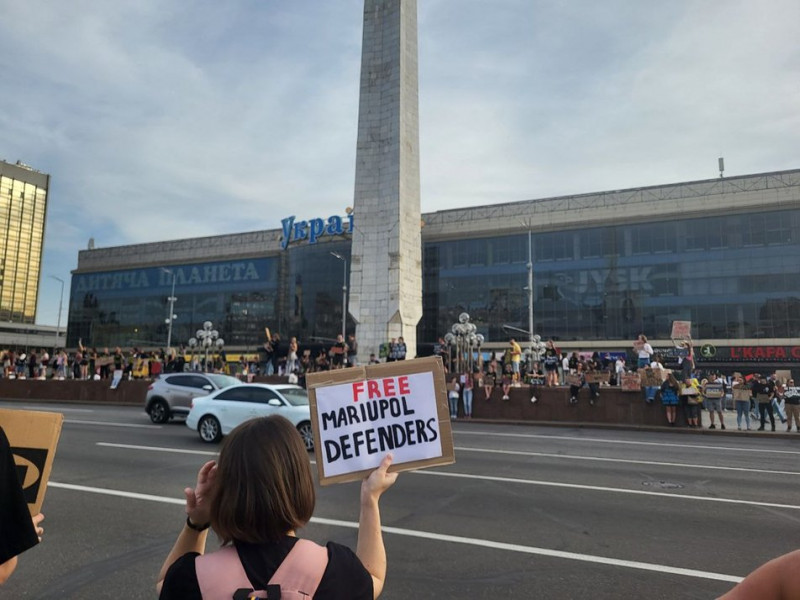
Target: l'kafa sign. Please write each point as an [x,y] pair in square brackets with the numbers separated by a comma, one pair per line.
[361,414]
[313,229]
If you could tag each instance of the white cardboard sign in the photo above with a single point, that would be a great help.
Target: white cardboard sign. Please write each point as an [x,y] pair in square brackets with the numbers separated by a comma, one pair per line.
[360,422]
[361,414]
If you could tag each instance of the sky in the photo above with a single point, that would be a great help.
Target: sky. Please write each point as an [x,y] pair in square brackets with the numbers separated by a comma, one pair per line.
[173,119]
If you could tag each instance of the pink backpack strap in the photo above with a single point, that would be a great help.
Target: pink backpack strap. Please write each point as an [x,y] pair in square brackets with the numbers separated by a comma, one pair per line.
[220,574]
[302,569]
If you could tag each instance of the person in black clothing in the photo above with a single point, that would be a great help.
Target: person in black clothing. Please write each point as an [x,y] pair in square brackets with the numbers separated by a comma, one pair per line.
[18,532]
[256,497]
[763,391]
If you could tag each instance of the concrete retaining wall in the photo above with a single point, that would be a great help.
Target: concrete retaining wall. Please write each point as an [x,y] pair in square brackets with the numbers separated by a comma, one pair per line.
[614,407]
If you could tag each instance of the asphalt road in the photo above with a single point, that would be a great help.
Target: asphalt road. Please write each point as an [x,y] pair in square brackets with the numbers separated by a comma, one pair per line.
[526,512]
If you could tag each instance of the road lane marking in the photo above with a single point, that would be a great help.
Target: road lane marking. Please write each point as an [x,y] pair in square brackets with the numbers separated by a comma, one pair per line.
[47,409]
[627,442]
[630,564]
[109,424]
[158,449]
[163,449]
[590,558]
[624,460]
[599,488]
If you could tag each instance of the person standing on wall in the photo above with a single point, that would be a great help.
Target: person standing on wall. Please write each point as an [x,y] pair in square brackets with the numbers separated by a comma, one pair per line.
[551,360]
[644,351]
[352,350]
[401,348]
[687,364]
[516,355]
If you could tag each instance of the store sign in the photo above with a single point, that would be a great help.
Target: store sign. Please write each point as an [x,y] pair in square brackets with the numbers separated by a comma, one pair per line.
[314,229]
[753,354]
[765,352]
[228,273]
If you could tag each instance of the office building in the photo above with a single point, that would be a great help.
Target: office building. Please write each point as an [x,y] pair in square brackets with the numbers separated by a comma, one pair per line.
[23,208]
[721,253]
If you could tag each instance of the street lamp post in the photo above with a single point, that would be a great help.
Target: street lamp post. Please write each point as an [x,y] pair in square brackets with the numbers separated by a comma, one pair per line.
[60,304]
[344,295]
[463,335]
[530,291]
[171,316]
[207,337]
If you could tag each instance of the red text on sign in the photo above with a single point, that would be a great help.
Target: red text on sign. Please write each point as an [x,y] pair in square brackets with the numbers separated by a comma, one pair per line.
[381,388]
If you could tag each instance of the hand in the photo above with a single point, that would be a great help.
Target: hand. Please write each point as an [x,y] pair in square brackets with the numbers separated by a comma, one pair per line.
[197,499]
[39,530]
[378,481]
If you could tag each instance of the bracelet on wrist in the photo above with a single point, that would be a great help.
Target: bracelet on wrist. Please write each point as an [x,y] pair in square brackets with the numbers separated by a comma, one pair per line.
[196,527]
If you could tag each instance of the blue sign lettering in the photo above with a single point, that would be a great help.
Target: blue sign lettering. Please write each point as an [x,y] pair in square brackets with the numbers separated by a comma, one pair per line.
[314,229]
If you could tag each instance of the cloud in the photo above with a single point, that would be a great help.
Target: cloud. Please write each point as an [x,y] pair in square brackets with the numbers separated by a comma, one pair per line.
[173,119]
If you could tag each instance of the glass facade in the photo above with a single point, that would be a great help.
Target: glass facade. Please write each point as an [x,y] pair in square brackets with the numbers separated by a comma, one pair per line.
[298,292]
[23,203]
[733,276]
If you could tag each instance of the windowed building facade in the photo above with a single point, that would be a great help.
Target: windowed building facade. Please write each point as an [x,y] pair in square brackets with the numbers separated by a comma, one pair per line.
[723,254]
[23,207]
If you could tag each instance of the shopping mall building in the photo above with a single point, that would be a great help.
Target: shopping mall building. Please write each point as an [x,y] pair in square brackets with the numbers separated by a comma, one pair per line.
[722,253]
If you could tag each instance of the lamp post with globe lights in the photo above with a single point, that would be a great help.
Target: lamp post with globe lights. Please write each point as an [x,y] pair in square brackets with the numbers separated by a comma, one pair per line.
[464,337]
[207,338]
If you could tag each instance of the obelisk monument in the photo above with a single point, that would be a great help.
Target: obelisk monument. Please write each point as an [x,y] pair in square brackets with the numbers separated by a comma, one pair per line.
[386,254]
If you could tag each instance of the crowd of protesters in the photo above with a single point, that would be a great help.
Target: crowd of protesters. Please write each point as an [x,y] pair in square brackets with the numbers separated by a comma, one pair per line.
[91,363]
[759,399]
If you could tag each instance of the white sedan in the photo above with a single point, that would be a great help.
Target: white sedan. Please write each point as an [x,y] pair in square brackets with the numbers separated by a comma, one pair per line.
[216,415]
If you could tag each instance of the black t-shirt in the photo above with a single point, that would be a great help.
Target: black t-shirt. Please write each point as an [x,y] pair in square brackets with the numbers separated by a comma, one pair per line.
[16,528]
[345,577]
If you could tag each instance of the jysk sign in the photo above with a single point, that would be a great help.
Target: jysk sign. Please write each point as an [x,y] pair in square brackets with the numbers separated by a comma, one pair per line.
[313,229]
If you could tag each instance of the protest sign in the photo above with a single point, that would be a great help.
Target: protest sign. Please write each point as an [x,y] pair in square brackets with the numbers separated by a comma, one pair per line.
[783,375]
[33,437]
[681,330]
[741,394]
[631,382]
[652,377]
[360,414]
[597,376]
[574,379]
[714,390]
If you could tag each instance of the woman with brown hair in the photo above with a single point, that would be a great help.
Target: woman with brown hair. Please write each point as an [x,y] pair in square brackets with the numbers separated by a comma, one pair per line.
[255,497]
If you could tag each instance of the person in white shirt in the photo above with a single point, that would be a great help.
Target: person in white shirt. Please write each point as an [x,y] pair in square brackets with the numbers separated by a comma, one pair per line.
[619,369]
[564,368]
[643,351]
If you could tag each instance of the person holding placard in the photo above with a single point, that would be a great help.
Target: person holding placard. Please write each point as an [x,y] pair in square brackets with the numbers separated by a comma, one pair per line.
[741,398]
[18,532]
[691,394]
[763,392]
[256,496]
